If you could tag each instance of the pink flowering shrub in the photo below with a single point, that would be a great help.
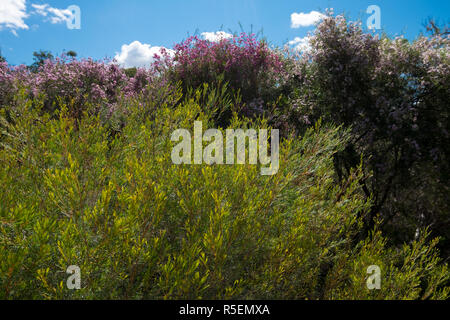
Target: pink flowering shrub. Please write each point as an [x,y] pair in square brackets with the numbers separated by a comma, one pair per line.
[6,83]
[83,84]
[79,83]
[245,63]
[11,78]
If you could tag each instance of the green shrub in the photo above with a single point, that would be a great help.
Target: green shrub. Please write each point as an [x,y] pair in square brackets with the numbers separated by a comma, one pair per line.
[140,227]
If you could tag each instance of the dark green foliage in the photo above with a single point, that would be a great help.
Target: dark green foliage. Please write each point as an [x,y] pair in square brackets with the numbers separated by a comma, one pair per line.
[130,72]
[394,95]
[71,54]
[39,58]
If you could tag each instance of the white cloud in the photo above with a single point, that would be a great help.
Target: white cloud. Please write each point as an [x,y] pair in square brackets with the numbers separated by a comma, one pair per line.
[54,15]
[305,19]
[40,9]
[12,15]
[138,54]
[60,15]
[216,36]
[301,44]
[14,12]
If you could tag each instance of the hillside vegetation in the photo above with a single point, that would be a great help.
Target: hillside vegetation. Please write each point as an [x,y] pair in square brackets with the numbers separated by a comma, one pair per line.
[88,180]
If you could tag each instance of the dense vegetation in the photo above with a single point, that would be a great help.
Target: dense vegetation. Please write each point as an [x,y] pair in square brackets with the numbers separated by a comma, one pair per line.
[88,180]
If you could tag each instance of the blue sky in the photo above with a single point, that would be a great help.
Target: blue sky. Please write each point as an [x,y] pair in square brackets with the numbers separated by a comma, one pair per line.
[108,25]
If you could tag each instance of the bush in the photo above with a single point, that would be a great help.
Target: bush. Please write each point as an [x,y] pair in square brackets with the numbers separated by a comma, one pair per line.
[246,64]
[393,94]
[77,84]
[139,226]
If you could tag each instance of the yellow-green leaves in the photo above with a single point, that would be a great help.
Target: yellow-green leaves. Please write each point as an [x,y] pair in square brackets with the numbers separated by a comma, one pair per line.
[138,226]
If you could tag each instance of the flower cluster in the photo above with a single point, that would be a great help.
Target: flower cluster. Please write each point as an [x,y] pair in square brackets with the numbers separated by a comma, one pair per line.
[77,83]
[247,64]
